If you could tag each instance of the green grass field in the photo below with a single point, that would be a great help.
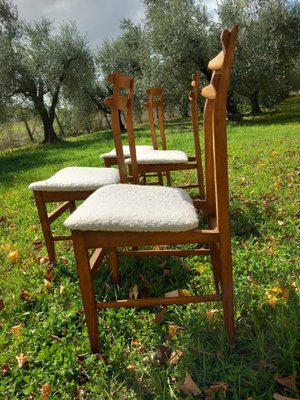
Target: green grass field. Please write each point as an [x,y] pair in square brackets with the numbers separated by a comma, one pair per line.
[46,308]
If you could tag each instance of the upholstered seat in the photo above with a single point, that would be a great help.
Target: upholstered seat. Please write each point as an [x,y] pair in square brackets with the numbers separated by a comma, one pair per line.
[77,179]
[134,208]
[160,157]
[126,151]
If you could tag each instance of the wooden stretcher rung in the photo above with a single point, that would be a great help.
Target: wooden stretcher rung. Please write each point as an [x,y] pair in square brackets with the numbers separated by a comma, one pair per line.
[148,302]
[53,215]
[165,252]
[95,260]
[189,186]
[61,238]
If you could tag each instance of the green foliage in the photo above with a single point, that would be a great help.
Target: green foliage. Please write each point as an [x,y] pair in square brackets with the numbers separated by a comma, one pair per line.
[268,48]
[263,162]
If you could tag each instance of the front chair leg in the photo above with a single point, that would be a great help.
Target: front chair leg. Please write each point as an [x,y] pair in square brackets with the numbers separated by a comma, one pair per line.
[87,289]
[227,290]
[45,224]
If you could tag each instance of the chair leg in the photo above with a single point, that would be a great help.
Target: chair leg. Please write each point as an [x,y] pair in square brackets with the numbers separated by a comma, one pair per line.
[169,180]
[160,178]
[113,265]
[72,206]
[86,288]
[46,228]
[227,289]
[216,265]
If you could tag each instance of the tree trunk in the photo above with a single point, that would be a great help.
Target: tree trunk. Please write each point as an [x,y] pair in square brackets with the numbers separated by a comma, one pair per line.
[59,125]
[233,113]
[49,132]
[255,108]
[107,121]
[28,129]
[122,126]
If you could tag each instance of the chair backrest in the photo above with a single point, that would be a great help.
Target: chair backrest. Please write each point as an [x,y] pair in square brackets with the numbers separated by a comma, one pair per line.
[216,165]
[156,103]
[119,101]
[193,97]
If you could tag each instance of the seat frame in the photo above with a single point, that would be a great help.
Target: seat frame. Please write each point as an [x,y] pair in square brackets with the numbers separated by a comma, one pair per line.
[217,235]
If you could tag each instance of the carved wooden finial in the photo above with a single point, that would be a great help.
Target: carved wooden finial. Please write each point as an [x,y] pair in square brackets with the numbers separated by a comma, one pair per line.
[209,92]
[217,62]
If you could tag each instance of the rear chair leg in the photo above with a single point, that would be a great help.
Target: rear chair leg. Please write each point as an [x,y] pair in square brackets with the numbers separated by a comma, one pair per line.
[113,265]
[87,290]
[215,263]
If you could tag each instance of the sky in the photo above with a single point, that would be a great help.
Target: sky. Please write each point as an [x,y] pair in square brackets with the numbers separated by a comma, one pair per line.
[97,19]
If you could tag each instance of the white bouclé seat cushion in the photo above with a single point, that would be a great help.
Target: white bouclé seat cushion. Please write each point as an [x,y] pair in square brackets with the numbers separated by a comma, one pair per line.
[135,208]
[78,179]
[126,151]
[160,157]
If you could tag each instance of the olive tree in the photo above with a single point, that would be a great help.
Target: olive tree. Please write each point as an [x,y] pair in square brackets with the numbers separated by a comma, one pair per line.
[40,65]
[268,47]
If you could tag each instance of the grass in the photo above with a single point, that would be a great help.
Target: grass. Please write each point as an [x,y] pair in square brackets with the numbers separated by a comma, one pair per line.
[263,157]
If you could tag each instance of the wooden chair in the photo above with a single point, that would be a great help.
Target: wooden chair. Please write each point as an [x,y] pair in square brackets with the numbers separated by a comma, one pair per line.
[155,103]
[129,215]
[162,162]
[67,186]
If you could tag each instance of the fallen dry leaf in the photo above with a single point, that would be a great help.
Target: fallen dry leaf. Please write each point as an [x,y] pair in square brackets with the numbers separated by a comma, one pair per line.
[161,355]
[46,391]
[24,295]
[173,293]
[131,367]
[184,292]
[163,264]
[17,330]
[175,357]
[1,305]
[200,268]
[61,290]
[133,292]
[83,378]
[135,342]
[6,247]
[37,243]
[287,381]
[277,396]
[13,256]
[189,387]
[266,364]
[5,368]
[212,313]
[21,359]
[54,337]
[217,387]
[145,280]
[47,284]
[159,318]
[79,394]
[173,330]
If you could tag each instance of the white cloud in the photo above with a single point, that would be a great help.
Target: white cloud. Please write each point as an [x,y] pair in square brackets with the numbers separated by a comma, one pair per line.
[98,19]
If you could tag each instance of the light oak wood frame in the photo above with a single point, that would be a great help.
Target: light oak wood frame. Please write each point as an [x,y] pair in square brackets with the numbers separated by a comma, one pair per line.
[155,103]
[217,235]
[194,162]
